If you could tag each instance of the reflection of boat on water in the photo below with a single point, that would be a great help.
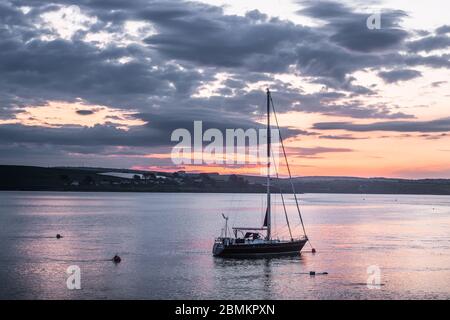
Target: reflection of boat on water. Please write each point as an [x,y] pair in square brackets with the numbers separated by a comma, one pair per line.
[251,242]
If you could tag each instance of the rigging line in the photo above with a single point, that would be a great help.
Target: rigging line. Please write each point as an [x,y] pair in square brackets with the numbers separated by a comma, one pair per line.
[232,208]
[289,170]
[282,197]
[262,207]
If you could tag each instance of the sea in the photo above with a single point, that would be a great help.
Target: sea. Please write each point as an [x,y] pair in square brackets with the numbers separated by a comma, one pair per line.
[367,246]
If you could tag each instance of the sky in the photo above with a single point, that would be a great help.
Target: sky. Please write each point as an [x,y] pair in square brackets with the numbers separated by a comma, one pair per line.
[105,83]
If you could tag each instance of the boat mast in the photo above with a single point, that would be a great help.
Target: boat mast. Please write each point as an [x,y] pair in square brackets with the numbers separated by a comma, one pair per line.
[290,176]
[268,168]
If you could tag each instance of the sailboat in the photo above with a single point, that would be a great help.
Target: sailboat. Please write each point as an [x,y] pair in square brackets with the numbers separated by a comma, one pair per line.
[254,242]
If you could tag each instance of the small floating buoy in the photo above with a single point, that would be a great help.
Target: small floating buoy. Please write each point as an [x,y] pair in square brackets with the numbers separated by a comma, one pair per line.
[116,259]
[58,236]
[314,273]
[313,250]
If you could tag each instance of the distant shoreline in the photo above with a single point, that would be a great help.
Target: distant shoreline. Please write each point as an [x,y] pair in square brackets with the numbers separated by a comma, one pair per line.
[222,192]
[68,179]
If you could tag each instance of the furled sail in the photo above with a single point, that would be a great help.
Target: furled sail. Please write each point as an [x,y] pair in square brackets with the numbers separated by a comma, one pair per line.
[265,218]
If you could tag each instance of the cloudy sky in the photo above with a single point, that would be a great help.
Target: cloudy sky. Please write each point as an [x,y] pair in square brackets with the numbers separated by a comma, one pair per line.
[105,82]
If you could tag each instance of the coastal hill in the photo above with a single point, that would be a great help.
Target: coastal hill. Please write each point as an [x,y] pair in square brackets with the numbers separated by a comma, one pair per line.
[127,180]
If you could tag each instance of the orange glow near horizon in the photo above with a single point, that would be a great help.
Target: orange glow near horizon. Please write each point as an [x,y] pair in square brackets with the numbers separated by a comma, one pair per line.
[363,154]
[367,154]
[372,157]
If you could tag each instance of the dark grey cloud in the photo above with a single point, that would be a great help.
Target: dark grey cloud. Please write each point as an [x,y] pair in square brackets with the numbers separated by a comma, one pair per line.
[437,84]
[314,151]
[156,133]
[432,61]
[430,43]
[342,137]
[399,75]
[443,29]
[84,112]
[434,136]
[349,28]
[66,70]
[351,46]
[253,42]
[331,64]
[192,44]
[439,125]
[70,69]
[422,33]
[325,103]
[96,136]
[56,155]
[104,144]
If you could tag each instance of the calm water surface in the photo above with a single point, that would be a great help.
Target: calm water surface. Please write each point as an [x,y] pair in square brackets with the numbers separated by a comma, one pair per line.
[165,242]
